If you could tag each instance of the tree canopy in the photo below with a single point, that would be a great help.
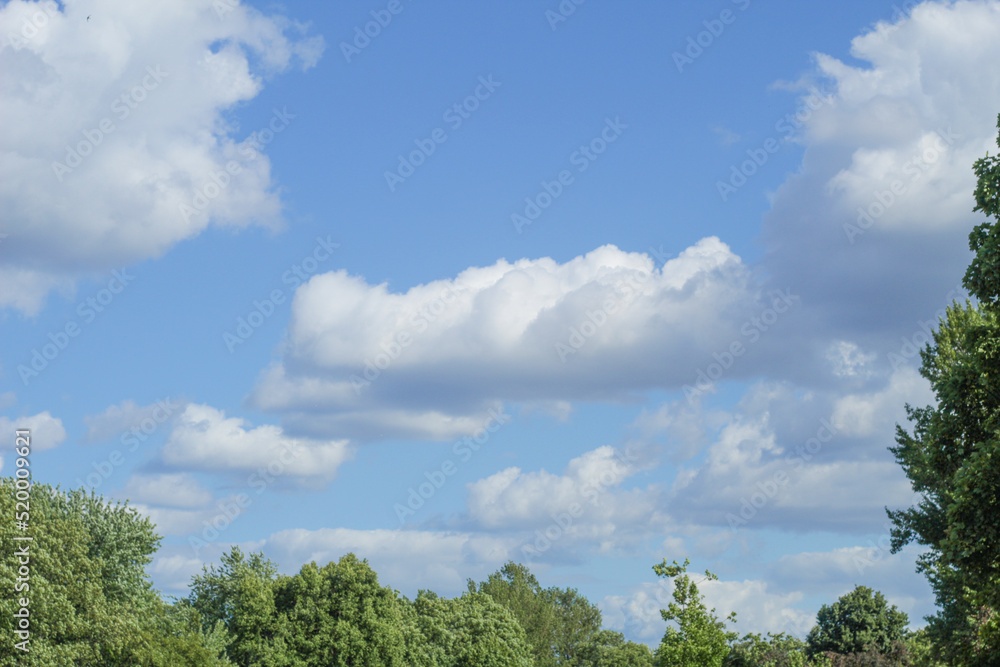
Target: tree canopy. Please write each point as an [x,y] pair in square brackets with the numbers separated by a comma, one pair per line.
[952,455]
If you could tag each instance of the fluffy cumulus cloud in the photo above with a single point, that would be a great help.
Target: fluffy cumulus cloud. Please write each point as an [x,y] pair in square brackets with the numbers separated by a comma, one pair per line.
[582,509]
[203,438]
[201,526]
[169,490]
[117,141]
[872,230]
[800,459]
[365,362]
[46,431]
[129,418]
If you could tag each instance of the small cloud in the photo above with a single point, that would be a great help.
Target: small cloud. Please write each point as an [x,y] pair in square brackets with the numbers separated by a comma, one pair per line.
[203,438]
[46,431]
[726,137]
[167,490]
[121,418]
[848,360]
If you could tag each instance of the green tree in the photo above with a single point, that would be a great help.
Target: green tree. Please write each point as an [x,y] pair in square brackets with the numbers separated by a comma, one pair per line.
[952,456]
[776,650]
[89,600]
[337,614]
[856,622]
[700,638]
[517,589]
[238,596]
[607,648]
[576,621]
[473,630]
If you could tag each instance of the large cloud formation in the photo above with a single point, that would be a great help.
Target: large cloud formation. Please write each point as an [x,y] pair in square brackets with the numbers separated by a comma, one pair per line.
[117,144]
[363,362]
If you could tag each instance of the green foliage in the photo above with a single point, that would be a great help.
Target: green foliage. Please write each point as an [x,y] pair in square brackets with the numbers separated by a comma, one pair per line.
[239,597]
[952,456]
[337,614]
[700,638]
[576,621]
[559,623]
[89,600]
[983,275]
[471,630]
[858,621]
[778,650]
[897,656]
[607,648]
[517,589]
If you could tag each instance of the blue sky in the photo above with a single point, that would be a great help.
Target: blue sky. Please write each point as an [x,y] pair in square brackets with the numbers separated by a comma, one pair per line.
[696,346]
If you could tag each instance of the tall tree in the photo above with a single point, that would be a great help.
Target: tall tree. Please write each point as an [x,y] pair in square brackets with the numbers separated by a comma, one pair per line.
[952,456]
[515,587]
[239,595]
[699,639]
[576,621]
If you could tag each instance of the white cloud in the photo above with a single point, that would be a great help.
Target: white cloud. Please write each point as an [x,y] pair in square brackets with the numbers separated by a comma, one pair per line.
[132,104]
[769,467]
[46,431]
[122,418]
[878,412]
[361,361]
[7,399]
[872,230]
[167,489]
[203,438]
[173,567]
[512,499]
[193,521]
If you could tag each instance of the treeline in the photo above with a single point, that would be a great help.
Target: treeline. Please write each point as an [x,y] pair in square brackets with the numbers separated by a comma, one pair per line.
[84,598]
